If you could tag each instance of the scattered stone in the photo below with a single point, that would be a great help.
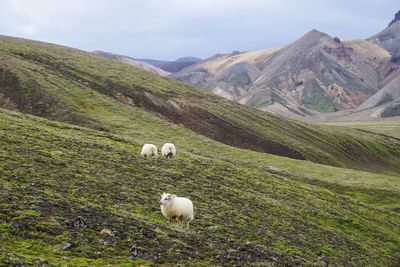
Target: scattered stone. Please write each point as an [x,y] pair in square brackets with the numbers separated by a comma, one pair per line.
[273,169]
[134,252]
[212,227]
[106,231]
[337,40]
[79,223]
[66,245]
[298,83]
[40,262]
[111,239]
[20,226]
[115,233]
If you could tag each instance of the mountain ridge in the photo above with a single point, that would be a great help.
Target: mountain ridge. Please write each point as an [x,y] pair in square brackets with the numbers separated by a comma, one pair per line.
[276,81]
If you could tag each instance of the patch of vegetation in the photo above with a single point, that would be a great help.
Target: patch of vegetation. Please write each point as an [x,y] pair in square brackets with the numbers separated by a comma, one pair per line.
[91,91]
[389,127]
[314,97]
[262,99]
[62,183]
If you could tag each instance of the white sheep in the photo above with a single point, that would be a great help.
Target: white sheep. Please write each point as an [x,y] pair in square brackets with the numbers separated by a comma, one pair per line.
[177,208]
[149,151]
[168,150]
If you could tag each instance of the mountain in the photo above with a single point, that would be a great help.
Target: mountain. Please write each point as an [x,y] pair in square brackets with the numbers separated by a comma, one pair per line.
[389,38]
[316,73]
[173,66]
[386,102]
[70,167]
[131,61]
[395,19]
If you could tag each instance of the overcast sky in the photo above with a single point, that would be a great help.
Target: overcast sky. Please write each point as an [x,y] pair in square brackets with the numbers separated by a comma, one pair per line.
[168,29]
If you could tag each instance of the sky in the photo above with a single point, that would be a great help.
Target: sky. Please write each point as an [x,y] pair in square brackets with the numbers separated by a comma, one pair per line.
[169,29]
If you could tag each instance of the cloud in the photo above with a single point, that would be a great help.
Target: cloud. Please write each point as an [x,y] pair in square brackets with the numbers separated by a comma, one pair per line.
[168,29]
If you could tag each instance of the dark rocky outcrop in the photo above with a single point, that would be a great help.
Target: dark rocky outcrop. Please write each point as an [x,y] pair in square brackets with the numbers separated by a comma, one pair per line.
[396,18]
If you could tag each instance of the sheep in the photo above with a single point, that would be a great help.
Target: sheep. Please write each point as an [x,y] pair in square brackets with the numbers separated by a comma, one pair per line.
[168,150]
[149,151]
[177,208]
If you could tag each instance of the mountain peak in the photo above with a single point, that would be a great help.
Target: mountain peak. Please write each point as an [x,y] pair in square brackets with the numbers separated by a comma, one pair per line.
[314,35]
[396,18]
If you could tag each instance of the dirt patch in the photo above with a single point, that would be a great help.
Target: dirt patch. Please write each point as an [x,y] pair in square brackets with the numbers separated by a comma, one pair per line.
[205,123]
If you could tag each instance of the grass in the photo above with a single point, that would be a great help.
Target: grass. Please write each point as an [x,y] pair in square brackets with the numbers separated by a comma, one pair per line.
[69,85]
[63,182]
[54,173]
[389,127]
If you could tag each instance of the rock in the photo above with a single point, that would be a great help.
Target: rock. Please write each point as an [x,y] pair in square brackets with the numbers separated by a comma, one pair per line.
[79,223]
[212,227]
[20,226]
[395,59]
[298,83]
[273,169]
[134,252]
[106,231]
[337,40]
[396,18]
[66,245]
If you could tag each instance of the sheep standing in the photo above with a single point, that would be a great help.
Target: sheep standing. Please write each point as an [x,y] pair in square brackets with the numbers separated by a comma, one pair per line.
[177,208]
[168,150]
[149,151]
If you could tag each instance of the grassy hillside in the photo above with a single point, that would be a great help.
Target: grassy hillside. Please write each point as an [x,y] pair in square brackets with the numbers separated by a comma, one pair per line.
[389,127]
[61,183]
[81,88]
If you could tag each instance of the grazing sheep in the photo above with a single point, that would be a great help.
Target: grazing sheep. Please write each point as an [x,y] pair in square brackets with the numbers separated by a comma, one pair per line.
[168,150]
[177,208]
[149,151]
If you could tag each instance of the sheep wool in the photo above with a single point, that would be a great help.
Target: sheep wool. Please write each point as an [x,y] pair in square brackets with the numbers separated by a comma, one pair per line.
[149,151]
[177,208]
[168,150]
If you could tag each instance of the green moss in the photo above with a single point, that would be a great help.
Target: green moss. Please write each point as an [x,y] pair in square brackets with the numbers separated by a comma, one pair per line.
[71,173]
[67,183]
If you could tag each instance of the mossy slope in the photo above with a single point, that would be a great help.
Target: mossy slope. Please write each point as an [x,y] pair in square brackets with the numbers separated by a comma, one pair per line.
[81,88]
[65,183]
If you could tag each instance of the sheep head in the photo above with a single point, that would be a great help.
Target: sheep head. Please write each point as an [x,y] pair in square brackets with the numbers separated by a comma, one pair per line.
[166,198]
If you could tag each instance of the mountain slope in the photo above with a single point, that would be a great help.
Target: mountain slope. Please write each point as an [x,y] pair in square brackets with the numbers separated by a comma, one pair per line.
[389,38]
[316,73]
[173,66]
[386,95]
[78,87]
[62,184]
[137,63]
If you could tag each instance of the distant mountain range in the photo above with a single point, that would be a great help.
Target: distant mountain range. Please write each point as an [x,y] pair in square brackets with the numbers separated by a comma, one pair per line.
[134,62]
[173,66]
[314,75]
[157,67]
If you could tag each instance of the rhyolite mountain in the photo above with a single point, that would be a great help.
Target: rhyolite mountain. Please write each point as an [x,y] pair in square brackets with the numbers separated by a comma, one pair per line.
[134,62]
[315,74]
[72,124]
